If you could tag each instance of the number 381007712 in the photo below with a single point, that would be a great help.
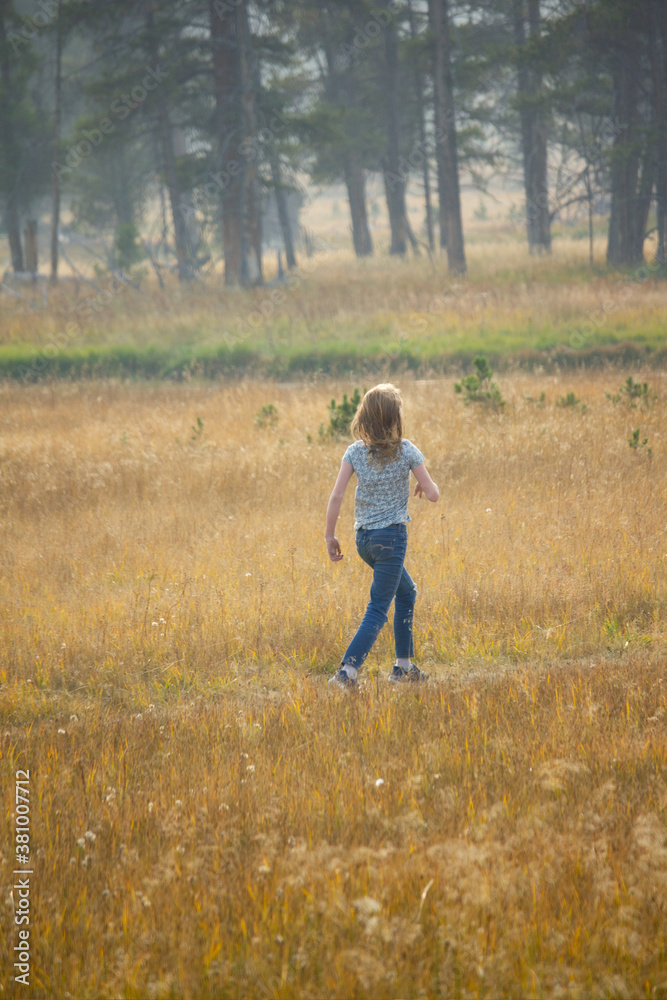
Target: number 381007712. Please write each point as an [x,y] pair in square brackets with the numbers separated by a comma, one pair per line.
[22,835]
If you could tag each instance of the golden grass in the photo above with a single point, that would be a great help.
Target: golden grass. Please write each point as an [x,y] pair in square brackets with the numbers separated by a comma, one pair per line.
[167,603]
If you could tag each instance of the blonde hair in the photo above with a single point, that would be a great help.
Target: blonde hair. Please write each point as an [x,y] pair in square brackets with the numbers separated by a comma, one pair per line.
[379,422]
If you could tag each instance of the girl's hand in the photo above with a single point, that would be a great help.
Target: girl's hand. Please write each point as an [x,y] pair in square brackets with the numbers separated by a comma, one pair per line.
[425,486]
[333,548]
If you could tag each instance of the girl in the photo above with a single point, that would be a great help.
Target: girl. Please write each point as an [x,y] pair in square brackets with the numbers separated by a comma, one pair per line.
[382,460]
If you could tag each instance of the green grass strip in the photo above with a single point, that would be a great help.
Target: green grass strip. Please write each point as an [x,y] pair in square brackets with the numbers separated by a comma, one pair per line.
[29,364]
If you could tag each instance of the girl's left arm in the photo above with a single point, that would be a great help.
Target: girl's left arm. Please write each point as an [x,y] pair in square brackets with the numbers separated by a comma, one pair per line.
[425,485]
[333,510]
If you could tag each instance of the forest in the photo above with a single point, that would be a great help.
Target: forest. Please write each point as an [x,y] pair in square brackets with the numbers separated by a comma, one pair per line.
[160,131]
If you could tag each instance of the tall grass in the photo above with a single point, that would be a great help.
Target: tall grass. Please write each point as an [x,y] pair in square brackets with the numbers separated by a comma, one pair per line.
[169,620]
[117,513]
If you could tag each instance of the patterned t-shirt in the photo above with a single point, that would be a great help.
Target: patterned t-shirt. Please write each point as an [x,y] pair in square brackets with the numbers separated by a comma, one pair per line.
[382,493]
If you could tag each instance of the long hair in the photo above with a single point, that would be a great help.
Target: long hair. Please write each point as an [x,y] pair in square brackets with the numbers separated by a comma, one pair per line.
[379,423]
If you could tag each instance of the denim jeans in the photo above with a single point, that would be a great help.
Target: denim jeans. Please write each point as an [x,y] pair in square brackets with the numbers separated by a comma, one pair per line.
[384,550]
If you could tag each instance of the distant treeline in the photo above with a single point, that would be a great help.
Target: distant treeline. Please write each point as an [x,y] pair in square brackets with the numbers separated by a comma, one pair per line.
[204,108]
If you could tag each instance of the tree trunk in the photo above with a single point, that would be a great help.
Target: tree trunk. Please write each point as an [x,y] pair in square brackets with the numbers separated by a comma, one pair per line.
[591,234]
[435,19]
[57,118]
[643,204]
[622,241]
[281,204]
[353,168]
[355,180]
[8,150]
[426,173]
[169,159]
[14,232]
[235,75]
[31,248]
[658,59]
[187,205]
[525,115]
[394,179]
[122,196]
[171,177]
[392,195]
[249,68]
[533,132]
[226,77]
[446,143]
[540,180]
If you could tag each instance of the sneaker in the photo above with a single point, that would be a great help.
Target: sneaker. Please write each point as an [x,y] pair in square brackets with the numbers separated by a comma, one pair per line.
[412,676]
[415,675]
[342,680]
[398,675]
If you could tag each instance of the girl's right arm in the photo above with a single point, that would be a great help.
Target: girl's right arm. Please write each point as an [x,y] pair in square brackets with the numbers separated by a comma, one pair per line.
[425,485]
[333,510]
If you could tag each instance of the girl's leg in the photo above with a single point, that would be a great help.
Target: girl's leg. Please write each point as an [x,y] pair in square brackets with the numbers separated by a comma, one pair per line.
[406,595]
[384,550]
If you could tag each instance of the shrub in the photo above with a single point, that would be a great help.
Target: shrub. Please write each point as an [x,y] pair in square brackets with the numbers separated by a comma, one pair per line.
[636,444]
[632,392]
[571,402]
[267,416]
[341,416]
[479,387]
[197,431]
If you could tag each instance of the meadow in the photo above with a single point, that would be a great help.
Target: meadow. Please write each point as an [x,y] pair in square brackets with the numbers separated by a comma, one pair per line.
[208,819]
[336,316]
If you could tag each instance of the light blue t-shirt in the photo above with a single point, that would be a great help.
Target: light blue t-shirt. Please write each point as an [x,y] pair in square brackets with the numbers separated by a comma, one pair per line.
[382,493]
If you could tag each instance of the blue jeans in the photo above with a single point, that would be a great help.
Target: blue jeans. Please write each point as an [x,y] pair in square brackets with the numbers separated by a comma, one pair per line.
[384,550]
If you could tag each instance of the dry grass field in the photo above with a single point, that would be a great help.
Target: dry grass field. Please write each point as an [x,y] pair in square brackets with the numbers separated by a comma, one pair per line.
[208,819]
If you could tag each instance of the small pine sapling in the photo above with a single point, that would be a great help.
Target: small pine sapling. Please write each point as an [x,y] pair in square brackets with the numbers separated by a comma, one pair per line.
[571,402]
[479,387]
[267,416]
[197,429]
[341,416]
[632,392]
[636,444]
